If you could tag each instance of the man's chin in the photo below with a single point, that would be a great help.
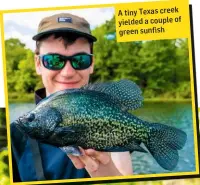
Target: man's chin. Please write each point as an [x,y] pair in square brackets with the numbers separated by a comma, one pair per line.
[63,86]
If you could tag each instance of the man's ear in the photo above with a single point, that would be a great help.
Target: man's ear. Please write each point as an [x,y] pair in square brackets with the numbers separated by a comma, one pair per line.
[92,66]
[37,64]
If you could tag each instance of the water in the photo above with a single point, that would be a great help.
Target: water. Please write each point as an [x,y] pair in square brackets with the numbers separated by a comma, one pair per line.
[174,114]
[18,109]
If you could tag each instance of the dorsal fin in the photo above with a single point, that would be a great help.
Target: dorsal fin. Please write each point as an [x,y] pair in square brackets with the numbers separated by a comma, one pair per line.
[126,92]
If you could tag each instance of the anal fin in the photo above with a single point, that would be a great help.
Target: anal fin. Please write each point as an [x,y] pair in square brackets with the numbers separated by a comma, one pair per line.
[132,146]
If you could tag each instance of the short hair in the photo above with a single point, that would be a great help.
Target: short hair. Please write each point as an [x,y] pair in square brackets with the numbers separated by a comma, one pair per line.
[68,39]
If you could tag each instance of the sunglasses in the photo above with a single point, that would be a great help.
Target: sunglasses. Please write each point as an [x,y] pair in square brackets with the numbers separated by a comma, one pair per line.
[56,61]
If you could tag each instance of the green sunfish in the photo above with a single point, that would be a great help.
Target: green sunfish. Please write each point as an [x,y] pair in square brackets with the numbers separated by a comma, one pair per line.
[97,116]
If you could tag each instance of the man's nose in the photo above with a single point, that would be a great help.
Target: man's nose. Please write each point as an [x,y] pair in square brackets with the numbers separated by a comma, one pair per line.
[68,70]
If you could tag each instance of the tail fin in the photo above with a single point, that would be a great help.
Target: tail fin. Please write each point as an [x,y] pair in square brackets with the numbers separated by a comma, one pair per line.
[164,143]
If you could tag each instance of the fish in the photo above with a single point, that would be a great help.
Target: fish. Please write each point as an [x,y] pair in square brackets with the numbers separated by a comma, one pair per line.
[98,116]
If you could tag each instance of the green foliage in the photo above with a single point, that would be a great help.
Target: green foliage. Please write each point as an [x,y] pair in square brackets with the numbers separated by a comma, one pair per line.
[26,74]
[4,170]
[159,182]
[21,76]
[2,116]
[3,132]
[160,67]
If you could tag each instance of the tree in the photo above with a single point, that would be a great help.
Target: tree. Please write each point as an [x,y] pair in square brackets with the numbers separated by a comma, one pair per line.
[21,76]
[159,67]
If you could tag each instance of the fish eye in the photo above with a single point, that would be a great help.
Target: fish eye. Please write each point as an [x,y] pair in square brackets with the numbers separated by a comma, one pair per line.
[30,117]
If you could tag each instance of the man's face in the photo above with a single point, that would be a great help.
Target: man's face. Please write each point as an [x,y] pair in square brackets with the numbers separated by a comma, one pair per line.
[67,77]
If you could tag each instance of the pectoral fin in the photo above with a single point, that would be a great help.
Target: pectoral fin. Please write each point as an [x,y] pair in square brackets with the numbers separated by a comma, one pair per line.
[64,130]
[66,135]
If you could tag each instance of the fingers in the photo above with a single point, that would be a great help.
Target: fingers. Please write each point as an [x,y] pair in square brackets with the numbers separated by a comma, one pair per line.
[91,160]
[84,161]
[102,157]
[77,162]
[91,164]
[97,164]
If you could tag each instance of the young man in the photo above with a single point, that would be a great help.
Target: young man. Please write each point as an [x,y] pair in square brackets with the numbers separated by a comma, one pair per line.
[64,59]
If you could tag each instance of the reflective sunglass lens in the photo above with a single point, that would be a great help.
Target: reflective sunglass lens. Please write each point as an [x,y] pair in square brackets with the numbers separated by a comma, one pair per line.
[53,62]
[80,62]
[57,62]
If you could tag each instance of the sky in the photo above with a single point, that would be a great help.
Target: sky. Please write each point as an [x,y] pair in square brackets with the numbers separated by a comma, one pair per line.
[24,25]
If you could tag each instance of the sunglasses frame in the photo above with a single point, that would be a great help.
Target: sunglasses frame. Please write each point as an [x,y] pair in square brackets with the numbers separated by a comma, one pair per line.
[65,59]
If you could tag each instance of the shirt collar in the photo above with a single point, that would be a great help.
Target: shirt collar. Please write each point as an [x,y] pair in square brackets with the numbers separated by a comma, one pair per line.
[39,95]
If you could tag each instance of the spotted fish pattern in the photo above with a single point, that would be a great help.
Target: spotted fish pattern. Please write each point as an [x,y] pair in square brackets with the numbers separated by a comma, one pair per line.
[97,116]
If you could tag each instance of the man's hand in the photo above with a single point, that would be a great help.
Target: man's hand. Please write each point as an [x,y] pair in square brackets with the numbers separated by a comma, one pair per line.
[98,164]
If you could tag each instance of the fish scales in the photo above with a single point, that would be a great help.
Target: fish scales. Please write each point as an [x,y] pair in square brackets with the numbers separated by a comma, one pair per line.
[101,116]
[100,119]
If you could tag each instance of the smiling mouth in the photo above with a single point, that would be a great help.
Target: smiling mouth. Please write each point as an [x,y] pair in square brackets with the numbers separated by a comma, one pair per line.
[67,82]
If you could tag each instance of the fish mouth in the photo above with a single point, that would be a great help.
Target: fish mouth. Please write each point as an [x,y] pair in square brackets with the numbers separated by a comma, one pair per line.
[18,124]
